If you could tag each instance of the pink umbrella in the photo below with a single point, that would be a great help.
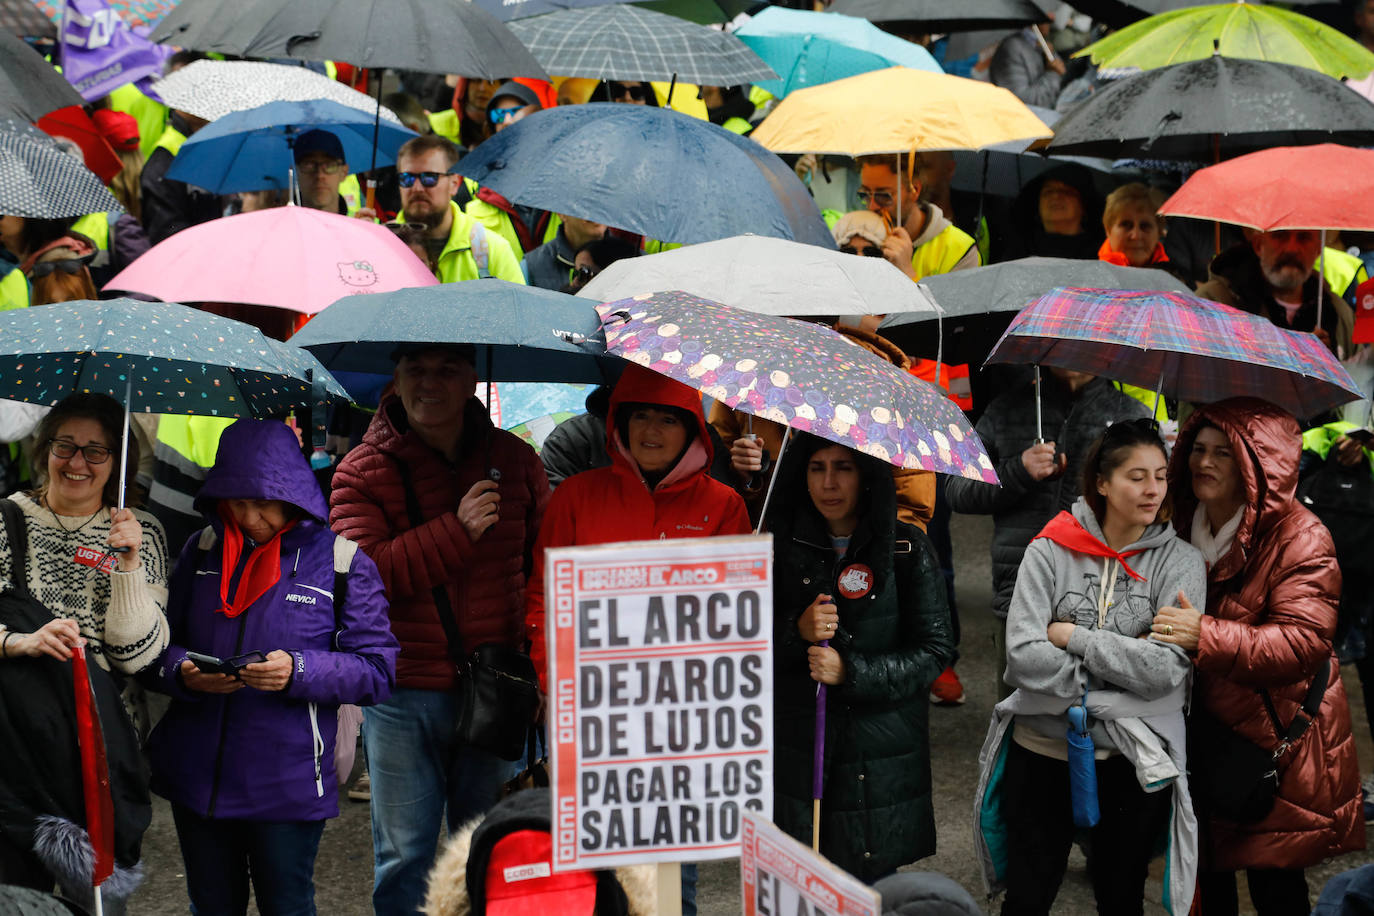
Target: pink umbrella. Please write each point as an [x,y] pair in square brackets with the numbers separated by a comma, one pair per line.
[288,257]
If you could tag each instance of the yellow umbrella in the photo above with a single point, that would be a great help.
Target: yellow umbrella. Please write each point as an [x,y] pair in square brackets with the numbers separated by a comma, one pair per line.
[897,110]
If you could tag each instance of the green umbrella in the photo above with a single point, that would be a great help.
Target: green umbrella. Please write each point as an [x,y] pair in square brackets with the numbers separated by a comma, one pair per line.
[1233,30]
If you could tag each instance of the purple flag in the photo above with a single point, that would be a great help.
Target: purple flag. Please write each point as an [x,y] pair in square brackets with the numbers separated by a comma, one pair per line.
[100,52]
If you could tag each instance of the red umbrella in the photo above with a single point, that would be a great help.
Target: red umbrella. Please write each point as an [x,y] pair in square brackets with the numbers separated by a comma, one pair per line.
[95,774]
[73,123]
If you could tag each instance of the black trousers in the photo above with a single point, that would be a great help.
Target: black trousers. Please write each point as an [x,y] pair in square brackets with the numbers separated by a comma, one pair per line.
[1040,833]
[1274,891]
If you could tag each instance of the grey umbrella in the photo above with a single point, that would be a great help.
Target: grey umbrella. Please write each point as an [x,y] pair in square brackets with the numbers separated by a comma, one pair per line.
[624,42]
[29,86]
[211,89]
[943,15]
[40,181]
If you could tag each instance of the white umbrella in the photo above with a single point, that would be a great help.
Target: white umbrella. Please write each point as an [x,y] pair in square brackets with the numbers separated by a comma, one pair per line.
[210,89]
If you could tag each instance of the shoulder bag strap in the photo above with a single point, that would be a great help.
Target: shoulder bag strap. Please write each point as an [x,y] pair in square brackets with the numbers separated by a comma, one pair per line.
[344,550]
[1305,715]
[441,602]
[17,533]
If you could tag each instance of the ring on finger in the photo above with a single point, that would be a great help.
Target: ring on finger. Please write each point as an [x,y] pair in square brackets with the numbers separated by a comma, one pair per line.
[1168,629]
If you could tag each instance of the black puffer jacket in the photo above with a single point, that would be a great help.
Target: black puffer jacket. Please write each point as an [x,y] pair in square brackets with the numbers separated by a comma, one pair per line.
[1021,506]
[876,814]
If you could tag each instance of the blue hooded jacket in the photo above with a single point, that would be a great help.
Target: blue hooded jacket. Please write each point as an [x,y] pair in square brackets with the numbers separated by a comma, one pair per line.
[252,754]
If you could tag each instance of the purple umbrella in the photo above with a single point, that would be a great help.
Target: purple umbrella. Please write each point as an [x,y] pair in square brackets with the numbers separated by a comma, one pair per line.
[818,764]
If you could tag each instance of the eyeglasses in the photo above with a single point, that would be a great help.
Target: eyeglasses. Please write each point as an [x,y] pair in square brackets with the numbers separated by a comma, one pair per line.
[71,266]
[499,115]
[426,179]
[620,90]
[870,252]
[585,273]
[66,448]
[319,166]
[883,198]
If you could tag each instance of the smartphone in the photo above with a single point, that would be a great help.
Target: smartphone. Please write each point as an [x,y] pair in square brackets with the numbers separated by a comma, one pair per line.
[230,666]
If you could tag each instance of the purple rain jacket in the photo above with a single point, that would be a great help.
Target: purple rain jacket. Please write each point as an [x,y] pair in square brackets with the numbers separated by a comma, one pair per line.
[252,754]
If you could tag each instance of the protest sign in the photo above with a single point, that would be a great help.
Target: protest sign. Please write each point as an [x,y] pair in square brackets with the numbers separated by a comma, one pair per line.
[660,698]
[781,877]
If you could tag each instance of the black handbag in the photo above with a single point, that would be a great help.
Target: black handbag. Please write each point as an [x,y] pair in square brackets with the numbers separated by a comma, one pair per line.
[497,695]
[1233,778]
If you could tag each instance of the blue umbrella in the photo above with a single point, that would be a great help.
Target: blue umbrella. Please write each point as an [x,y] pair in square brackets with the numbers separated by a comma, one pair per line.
[654,171]
[807,49]
[252,150]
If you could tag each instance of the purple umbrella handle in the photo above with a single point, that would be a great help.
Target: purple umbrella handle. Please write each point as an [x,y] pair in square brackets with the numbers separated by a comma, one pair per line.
[818,764]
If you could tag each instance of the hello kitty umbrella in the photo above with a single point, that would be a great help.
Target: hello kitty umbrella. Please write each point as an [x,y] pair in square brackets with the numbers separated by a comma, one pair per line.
[288,257]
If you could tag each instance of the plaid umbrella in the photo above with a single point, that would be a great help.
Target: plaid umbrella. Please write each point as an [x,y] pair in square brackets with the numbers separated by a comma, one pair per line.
[137,13]
[40,181]
[801,375]
[211,89]
[624,42]
[29,86]
[1185,347]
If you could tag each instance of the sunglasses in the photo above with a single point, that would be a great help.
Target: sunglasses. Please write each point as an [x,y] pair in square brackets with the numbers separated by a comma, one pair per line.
[499,115]
[620,90]
[66,448]
[883,198]
[869,252]
[426,179]
[585,273]
[70,266]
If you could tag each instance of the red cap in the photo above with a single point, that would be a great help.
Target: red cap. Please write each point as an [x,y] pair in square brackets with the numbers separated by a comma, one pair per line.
[120,129]
[1364,312]
[521,880]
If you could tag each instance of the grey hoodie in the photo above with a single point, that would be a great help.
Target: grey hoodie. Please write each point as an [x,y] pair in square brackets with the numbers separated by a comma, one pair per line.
[1056,584]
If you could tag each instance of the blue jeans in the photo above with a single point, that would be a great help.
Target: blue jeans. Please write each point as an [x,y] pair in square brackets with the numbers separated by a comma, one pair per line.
[220,854]
[418,772]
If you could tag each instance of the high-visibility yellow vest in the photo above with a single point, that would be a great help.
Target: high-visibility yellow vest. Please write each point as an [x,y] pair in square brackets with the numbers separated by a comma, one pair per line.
[170,140]
[1342,271]
[940,254]
[14,290]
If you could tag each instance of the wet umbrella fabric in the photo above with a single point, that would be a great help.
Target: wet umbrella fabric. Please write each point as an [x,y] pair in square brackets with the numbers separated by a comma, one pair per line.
[625,42]
[1004,169]
[1121,13]
[798,374]
[943,16]
[29,86]
[1215,106]
[38,180]
[252,150]
[211,89]
[436,36]
[1188,348]
[649,170]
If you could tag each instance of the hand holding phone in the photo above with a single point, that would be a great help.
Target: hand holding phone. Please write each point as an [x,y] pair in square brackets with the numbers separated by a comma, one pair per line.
[228,666]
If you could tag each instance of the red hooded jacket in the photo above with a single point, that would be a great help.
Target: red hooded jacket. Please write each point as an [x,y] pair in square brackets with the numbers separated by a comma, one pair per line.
[615,504]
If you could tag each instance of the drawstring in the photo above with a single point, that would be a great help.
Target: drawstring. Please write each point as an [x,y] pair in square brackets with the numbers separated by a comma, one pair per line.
[1105,593]
[296,564]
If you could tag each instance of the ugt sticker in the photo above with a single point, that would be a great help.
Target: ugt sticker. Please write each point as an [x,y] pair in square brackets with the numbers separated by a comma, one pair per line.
[855,581]
[89,556]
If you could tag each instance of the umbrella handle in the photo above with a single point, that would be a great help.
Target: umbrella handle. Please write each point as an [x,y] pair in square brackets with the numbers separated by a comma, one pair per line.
[1039,425]
[818,763]
[124,454]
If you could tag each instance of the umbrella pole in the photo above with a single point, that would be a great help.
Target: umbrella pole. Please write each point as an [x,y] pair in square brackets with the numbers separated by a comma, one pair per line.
[1159,391]
[897,169]
[1321,282]
[1039,431]
[100,904]
[376,131]
[671,86]
[124,447]
[818,764]
[772,478]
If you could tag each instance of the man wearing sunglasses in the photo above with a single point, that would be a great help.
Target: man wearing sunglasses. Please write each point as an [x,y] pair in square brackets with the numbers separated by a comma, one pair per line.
[460,246]
[921,241]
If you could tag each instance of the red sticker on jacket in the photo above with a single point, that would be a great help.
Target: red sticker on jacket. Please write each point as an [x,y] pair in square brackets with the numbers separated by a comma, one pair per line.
[856,580]
[88,556]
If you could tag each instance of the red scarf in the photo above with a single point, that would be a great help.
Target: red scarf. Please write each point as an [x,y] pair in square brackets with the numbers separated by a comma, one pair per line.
[260,572]
[1069,533]
[1112,256]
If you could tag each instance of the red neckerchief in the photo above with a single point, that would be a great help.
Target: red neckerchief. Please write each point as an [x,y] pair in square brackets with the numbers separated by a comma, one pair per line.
[505,206]
[1069,533]
[1112,256]
[260,573]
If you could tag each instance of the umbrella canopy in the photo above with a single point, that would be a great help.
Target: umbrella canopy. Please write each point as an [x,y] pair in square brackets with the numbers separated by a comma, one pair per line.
[1004,169]
[178,360]
[1309,187]
[1234,30]
[211,89]
[77,126]
[252,150]
[29,86]
[1121,13]
[807,49]
[522,333]
[649,170]
[798,374]
[436,36]
[40,181]
[137,13]
[625,42]
[1188,348]
[872,113]
[292,258]
[769,276]
[1217,106]
[22,19]
[703,12]
[943,16]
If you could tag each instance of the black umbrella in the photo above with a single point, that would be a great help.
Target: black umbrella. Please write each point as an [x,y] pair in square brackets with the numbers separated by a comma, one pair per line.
[29,86]
[1120,13]
[1216,108]
[436,36]
[942,15]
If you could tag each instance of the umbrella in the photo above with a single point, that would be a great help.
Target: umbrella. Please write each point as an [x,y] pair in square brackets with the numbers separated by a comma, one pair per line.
[1214,108]
[1004,169]
[288,257]
[873,113]
[932,16]
[1178,345]
[808,49]
[649,170]
[211,89]
[626,42]
[537,430]
[137,13]
[252,150]
[703,12]
[799,374]
[22,19]
[1235,30]
[769,276]
[77,126]
[522,333]
[817,759]
[1120,13]
[40,181]
[29,86]
[514,403]
[436,36]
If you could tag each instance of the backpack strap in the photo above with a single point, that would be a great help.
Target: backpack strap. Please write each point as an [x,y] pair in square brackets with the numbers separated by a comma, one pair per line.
[1305,715]
[344,551]
[17,536]
[481,251]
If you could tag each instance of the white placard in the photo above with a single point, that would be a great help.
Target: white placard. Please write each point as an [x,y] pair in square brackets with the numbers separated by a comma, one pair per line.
[781,877]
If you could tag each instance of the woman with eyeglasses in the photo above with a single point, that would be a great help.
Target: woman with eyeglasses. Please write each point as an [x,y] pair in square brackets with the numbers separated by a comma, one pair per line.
[1092,680]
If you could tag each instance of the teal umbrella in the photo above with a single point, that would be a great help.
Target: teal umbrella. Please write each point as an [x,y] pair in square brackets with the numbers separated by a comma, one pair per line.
[807,49]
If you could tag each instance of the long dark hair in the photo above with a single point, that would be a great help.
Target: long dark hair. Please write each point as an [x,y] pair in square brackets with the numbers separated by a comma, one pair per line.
[791,498]
[1110,451]
[104,410]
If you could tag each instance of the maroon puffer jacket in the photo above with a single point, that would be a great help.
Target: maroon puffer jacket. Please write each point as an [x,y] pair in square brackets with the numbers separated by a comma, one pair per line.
[1271,613]
[485,581]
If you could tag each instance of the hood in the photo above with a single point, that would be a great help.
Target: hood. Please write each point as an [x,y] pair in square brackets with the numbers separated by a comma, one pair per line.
[644,386]
[1267,446]
[1155,535]
[936,222]
[261,459]
[792,513]
[1026,208]
[925,893]
[874,342]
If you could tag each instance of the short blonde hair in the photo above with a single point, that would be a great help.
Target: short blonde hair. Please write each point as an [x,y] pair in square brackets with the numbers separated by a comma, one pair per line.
[1134,194]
